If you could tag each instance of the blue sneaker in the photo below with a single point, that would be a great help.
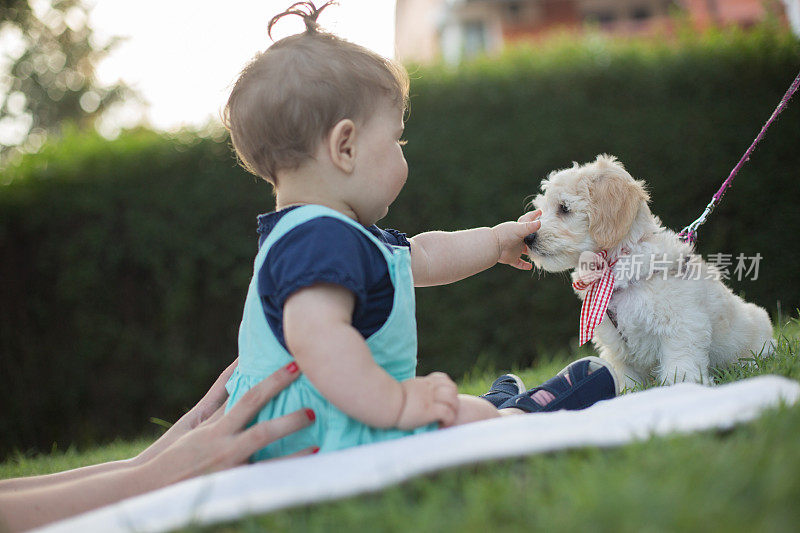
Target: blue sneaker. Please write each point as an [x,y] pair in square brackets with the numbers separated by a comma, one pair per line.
[579,385]
[503,388]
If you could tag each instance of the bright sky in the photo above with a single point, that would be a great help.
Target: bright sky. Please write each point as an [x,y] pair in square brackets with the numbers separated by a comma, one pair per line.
[184,55]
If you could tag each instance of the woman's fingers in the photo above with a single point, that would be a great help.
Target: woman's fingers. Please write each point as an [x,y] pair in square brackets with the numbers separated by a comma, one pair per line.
[217,394]
[308,451]
[257,397]
[211,401]
[256,437]
[219,413]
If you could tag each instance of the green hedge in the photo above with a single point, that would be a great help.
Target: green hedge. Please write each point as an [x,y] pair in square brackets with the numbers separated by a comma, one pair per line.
[125,263]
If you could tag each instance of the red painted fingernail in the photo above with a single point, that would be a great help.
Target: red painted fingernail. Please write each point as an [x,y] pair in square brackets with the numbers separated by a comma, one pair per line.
[315,450]
[310,414]
[292,367]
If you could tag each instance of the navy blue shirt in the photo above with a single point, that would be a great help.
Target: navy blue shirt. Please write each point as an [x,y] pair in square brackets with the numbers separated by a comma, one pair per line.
[327,250]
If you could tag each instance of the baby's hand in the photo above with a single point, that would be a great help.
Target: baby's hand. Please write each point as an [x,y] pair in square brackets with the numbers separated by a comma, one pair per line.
[428,399]
[509,236]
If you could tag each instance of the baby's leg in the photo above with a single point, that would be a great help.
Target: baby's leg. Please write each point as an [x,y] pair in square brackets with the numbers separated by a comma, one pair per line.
[576,387]
[472,409]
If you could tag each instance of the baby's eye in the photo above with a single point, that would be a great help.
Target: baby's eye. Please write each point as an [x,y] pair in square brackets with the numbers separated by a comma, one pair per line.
[402,142]
[563,208]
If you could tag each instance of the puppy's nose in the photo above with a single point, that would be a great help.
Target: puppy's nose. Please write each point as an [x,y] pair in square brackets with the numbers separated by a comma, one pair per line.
[530,240]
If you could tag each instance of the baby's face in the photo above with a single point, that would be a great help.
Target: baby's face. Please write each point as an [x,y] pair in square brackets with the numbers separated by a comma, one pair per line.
[381,169]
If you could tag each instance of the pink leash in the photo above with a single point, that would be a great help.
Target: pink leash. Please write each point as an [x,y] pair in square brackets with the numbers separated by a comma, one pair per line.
[689,233]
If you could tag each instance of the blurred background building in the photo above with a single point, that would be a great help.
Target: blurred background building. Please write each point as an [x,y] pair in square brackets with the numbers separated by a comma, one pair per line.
[455,29]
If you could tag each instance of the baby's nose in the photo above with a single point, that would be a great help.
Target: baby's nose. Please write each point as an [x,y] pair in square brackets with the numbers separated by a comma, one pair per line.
[530,240]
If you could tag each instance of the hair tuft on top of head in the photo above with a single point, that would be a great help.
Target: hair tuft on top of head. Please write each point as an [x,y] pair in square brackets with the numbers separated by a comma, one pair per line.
[288,97]
[305,10]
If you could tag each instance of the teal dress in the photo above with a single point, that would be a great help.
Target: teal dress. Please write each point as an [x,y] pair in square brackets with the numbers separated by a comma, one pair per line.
[393,346]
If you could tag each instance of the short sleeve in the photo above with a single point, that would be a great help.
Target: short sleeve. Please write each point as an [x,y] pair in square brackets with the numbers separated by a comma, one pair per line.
[322,250]
[390,236]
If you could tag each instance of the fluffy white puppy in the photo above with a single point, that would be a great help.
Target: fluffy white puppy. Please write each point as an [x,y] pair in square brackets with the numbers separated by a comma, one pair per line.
[669,315]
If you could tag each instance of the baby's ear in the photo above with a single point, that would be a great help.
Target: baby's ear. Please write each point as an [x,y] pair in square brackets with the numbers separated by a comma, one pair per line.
[614,200]
[341,145]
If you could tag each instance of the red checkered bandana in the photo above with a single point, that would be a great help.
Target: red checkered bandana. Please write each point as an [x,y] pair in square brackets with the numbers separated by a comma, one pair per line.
[595,273]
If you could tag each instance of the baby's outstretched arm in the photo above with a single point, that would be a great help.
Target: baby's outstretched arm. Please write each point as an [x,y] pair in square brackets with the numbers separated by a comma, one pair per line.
[439,257]
[335,358]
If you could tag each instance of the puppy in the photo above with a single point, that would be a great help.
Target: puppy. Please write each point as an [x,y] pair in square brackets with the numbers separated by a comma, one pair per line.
[669,316]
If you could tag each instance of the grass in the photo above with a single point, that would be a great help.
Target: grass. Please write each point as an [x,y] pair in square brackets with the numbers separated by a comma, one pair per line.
[746,479]
[20,464]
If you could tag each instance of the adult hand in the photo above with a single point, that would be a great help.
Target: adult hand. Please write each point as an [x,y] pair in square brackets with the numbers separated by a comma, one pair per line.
[220,441]
[202,411]
[204,440]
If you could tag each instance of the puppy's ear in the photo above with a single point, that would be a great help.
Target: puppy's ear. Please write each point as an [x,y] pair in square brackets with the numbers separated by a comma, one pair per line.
[615,198]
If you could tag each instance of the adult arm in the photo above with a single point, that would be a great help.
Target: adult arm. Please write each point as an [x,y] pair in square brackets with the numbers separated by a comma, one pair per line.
[213,399]
[216,443]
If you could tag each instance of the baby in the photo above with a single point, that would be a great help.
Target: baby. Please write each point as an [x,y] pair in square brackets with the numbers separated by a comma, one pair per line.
[321,119]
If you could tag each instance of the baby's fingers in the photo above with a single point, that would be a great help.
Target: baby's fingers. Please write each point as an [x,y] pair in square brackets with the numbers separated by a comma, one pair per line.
[521,264]
[530,216]
[445,387]
[446,393]
[267,432]
[526,228]
[440,378]
[445,413]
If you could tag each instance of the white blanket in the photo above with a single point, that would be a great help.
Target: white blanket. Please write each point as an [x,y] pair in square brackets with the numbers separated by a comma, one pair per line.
[264,487]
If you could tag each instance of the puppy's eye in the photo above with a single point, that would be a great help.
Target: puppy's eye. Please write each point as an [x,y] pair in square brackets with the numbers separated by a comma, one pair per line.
[563,208]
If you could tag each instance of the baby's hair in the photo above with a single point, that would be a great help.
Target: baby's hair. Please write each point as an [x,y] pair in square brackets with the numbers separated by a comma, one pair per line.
[309,18]
[289,97]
